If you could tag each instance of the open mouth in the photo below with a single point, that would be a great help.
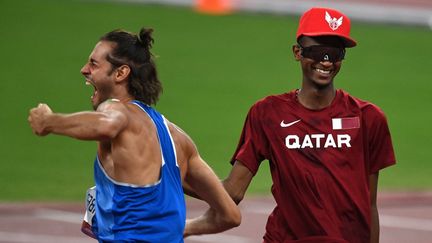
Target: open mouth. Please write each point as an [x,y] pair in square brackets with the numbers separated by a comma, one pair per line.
[89,83]
[322,71]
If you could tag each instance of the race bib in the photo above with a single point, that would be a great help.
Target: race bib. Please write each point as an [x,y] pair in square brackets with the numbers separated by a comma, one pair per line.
[86,226]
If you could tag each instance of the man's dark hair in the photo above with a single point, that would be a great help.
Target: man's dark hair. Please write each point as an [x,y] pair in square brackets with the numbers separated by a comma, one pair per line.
[134,50]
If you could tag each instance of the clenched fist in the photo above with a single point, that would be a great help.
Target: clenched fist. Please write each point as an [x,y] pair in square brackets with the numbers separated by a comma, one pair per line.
[37,119]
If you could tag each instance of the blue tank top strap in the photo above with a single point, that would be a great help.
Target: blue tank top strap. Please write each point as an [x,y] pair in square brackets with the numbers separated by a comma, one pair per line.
[165,139]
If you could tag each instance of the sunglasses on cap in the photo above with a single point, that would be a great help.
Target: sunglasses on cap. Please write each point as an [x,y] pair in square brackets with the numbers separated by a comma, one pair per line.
[321,53]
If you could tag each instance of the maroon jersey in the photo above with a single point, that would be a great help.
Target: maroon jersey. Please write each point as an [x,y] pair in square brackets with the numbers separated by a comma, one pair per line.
[320,162]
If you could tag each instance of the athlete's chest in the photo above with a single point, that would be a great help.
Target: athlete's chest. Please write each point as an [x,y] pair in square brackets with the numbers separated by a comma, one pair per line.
[298,129]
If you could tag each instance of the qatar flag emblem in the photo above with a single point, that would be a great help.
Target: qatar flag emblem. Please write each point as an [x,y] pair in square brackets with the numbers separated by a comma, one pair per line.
[346,123]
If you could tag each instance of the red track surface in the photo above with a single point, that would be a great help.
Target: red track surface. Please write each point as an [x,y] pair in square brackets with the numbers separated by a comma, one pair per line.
[405,217]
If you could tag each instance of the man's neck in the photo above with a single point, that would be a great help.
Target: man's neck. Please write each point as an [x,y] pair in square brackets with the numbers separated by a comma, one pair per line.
[316,99]
[123,97]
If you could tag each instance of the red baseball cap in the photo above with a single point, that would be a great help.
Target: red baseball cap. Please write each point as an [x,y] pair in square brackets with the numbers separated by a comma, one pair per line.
[325,21]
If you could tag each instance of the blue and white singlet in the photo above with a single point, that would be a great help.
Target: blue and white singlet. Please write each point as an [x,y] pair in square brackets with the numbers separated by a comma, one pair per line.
[131,213]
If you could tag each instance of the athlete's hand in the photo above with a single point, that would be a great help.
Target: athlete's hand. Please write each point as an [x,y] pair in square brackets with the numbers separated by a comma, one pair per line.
[37,118]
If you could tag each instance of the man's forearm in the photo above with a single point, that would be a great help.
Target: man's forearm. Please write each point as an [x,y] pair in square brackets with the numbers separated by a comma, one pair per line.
[375,227]
[209,223]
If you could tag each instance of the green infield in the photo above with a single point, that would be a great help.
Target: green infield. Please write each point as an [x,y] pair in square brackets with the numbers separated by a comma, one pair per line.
[213,69]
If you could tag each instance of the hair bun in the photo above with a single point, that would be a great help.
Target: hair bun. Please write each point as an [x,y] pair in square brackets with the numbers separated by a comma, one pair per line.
[145,38]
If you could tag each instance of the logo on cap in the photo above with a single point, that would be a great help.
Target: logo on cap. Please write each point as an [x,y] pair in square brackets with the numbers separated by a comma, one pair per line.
[333,22]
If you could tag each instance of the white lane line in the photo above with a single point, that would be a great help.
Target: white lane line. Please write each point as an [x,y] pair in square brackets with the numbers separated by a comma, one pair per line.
[409,223]
[217,238]
[59,215]
[400,222]
[65,216]
[40,238]
[258,207]
[406,222]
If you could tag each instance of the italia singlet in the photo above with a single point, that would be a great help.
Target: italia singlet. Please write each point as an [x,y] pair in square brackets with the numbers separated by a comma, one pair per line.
[152,213]
[320,162]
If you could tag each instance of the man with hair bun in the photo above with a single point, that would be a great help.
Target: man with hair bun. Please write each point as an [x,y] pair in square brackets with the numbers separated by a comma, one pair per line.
[142,159]
[325,147]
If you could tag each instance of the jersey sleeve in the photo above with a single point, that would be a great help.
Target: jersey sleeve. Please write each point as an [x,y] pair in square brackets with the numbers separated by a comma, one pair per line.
[253,145]
[380,147]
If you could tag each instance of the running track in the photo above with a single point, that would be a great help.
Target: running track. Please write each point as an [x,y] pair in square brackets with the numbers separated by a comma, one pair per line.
[405,217]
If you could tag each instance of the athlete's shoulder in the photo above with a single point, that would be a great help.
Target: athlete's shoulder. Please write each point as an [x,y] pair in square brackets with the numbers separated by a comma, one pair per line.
[367,108]
[114,111]
[111,104]
[184,145]
[276,99]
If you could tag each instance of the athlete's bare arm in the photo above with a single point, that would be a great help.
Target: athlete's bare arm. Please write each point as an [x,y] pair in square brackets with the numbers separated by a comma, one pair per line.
[375,230]
[236,184]
[223,213]
[238,181]
[100,125]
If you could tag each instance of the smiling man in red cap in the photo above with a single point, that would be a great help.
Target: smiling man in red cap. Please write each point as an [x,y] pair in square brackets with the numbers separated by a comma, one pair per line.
[325,147]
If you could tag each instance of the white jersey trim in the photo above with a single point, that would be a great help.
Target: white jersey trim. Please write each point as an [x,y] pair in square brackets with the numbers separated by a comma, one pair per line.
[172,140]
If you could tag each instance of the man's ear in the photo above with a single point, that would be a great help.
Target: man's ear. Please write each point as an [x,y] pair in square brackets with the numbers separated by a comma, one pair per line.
[297,52]
[122,73]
